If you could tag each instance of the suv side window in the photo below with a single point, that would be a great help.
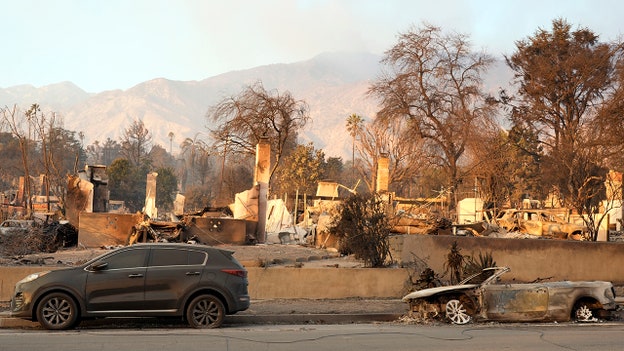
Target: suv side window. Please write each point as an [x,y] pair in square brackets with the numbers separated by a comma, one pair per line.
[173,257]
[127,259]
[197,257]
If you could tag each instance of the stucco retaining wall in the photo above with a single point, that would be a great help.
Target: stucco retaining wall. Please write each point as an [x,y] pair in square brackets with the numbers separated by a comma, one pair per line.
[529,259]
[326,283]
[282,282]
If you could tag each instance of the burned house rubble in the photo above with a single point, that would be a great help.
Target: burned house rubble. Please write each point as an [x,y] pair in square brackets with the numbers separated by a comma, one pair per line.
[253,218]
[239,223]
[523,223]
[100,227]
[33,224]
[102,222]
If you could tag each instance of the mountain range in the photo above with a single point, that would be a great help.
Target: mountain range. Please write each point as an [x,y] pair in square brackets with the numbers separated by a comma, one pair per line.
[333,85]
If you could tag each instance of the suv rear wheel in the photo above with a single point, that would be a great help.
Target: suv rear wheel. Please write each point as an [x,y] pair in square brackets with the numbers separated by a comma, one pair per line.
[205,311]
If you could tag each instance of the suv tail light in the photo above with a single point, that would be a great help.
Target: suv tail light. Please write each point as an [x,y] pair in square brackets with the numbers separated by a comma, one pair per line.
[237,272]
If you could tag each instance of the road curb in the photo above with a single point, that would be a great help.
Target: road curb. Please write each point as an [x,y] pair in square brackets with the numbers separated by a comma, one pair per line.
[312,318]
[7,322]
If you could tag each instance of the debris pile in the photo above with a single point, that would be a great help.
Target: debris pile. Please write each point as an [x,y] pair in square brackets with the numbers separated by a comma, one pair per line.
[154,231]
[418,220]
[44,238]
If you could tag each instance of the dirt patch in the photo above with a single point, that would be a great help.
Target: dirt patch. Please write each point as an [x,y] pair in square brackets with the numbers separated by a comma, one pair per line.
[263,255]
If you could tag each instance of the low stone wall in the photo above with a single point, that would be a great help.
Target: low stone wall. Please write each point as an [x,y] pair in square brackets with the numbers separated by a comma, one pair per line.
[529,259]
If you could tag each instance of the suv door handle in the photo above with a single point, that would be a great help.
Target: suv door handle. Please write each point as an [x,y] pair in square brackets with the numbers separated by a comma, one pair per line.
[137,275]
[193,273]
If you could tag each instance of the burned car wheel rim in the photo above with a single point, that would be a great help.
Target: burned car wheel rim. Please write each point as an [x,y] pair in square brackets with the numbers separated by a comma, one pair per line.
[205,312]
[584,314]
[57,311]
[456,312]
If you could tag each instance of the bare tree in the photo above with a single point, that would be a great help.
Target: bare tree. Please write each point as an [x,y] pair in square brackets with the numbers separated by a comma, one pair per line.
[394,139]
[20,129]
[60,152]
[43,126]
[47,149]
[434,80]
[255,113]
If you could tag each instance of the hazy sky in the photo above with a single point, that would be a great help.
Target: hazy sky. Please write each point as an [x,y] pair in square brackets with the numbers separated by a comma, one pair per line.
[115,44]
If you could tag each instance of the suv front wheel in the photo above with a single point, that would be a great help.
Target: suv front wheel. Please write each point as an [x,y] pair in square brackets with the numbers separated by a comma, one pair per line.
[57,311]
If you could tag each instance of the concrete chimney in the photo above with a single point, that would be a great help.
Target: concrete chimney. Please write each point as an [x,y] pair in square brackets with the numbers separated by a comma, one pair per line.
[150,196]
[261,178]
[383,173]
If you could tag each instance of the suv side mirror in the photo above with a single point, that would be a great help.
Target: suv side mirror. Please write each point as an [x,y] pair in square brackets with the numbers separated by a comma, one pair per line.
[98,266]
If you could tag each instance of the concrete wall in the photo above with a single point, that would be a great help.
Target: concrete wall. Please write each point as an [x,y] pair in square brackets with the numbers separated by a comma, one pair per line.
[282,282]
[105,229]
[11,275]
[528,259]
[326,283]
[218,230]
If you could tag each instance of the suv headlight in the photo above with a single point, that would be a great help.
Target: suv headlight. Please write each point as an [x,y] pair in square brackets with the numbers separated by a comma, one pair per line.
[31,277]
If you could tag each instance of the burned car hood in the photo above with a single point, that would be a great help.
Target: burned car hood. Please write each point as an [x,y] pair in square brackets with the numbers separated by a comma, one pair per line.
[437,290]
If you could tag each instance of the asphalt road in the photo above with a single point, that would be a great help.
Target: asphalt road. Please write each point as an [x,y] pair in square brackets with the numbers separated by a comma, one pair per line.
[361,337]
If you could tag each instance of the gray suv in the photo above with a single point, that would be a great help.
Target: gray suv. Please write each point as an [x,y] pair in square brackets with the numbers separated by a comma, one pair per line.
[199,283]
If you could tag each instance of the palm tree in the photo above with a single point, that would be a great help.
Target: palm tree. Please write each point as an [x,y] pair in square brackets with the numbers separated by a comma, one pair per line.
[354,127]
[196,154]
[171,135]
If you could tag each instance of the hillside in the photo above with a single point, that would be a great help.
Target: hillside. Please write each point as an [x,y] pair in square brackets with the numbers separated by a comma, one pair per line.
[333,84]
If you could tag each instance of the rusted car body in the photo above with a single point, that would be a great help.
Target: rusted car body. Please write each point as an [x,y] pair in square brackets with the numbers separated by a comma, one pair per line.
[481,297]
[15,227]
[539,223]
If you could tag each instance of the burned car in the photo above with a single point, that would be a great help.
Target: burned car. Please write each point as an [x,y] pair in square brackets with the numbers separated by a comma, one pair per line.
[16,226]
[481,297]
[540,223]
